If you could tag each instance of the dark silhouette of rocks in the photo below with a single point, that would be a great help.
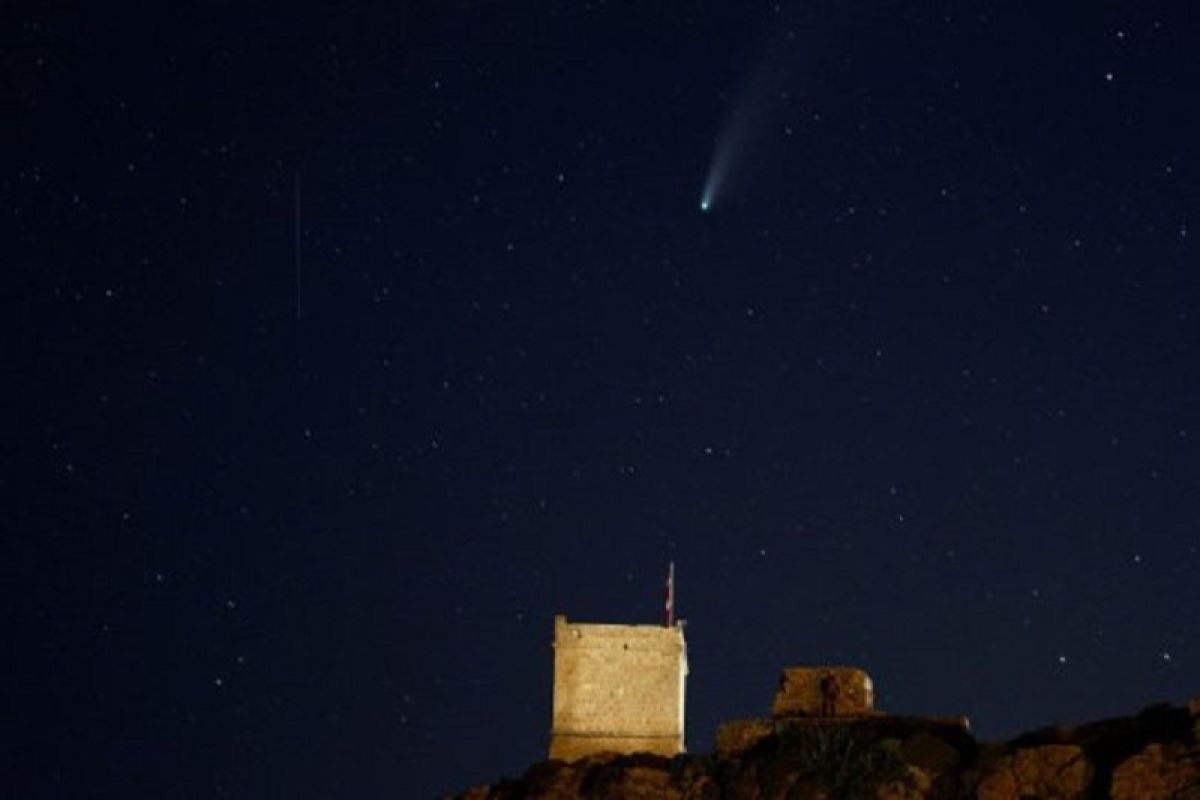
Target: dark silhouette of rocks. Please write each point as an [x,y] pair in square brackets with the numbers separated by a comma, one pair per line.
[1151,755]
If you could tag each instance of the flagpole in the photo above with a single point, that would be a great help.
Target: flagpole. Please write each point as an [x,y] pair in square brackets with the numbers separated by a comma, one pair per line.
[670,604]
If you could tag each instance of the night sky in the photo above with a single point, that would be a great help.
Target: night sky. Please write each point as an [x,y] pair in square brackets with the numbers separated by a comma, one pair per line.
[916,392]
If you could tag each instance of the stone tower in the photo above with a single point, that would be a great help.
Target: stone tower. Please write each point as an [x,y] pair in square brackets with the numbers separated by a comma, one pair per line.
[617,689]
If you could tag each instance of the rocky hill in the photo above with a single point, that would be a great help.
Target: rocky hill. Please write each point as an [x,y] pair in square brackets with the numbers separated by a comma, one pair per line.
[1155,754]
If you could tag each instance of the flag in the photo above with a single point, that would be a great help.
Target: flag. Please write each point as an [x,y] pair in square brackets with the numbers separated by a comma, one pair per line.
[670,604]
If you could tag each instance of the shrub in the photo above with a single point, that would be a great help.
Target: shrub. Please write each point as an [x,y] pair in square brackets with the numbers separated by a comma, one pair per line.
[844,765]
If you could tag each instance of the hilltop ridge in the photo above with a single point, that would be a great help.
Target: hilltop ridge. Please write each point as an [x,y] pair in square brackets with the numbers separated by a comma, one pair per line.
[1150,755]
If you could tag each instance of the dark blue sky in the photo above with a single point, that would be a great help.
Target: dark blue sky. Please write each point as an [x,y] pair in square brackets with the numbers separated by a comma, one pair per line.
[918,395]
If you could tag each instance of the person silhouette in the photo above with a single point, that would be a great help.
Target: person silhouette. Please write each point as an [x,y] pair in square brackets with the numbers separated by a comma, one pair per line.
[829,694]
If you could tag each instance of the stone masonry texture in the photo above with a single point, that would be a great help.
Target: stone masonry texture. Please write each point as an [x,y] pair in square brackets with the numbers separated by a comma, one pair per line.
[617,689]
[799,691]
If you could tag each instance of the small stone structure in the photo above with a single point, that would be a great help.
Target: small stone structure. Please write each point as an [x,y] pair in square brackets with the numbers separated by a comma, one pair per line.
[824,692]
[617,689]
[806,697]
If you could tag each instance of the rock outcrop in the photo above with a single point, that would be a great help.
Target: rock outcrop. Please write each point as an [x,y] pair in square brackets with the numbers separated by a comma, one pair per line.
[1154,755]
[1053,770]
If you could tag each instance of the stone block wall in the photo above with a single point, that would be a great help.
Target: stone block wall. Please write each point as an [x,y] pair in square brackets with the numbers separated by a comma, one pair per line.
[617,688]
[800,691]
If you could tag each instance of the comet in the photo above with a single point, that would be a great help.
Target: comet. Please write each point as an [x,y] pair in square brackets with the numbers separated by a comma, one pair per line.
[728,144]
[749,118]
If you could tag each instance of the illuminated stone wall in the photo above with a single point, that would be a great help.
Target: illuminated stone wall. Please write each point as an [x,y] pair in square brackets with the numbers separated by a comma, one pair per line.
[799,691]
[617,688]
